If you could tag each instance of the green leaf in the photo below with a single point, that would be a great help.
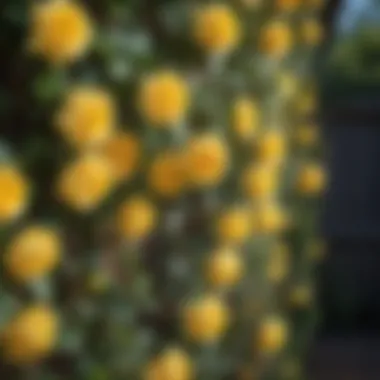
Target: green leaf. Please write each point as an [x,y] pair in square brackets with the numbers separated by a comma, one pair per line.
[50,85]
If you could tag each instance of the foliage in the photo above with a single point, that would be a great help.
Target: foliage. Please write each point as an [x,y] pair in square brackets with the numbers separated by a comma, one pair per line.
[158,182]
[355,58]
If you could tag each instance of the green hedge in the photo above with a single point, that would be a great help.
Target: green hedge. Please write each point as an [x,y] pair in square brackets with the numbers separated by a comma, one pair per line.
[158,184]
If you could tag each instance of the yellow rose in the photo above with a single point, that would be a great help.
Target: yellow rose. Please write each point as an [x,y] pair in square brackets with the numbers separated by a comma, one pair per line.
[137,217]
[311,179]
[31,335]
[164,99]
[271,148]
[167,175]
[60,31]
[234,225]
[123,152]
[205,320]
[278,264]
[87,117]
[85,183]
[217,28]
[171,364]
[32,253]
[260,181]
[272,335]
[207,160]
[245,118]
[276,39]
[14,193]
[271,218]
[224,267]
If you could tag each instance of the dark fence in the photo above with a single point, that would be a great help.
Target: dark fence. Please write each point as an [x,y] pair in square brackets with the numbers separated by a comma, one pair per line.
[348,343]
[350,277]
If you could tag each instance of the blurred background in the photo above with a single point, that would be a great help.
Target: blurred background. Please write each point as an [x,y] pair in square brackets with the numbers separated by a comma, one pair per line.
[348,344]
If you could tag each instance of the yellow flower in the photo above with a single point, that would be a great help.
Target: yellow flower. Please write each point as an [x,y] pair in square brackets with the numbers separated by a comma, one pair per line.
[311,32]
[14,193]
[311,179]
[271,218]
[60,31]
[301,296]
[31,335]
[245,118]
[85,183]
[278,264]
[164,99]
[167,175]
[307,135]
[32,253]
[206,319]
[171,364]
[260,181]
[123,153]
[234,225]
[288,5]
[272,335]
[224,267]
[217,28]
[207,160]
[271,148]
[137,217]
[87,117]
[276,39]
